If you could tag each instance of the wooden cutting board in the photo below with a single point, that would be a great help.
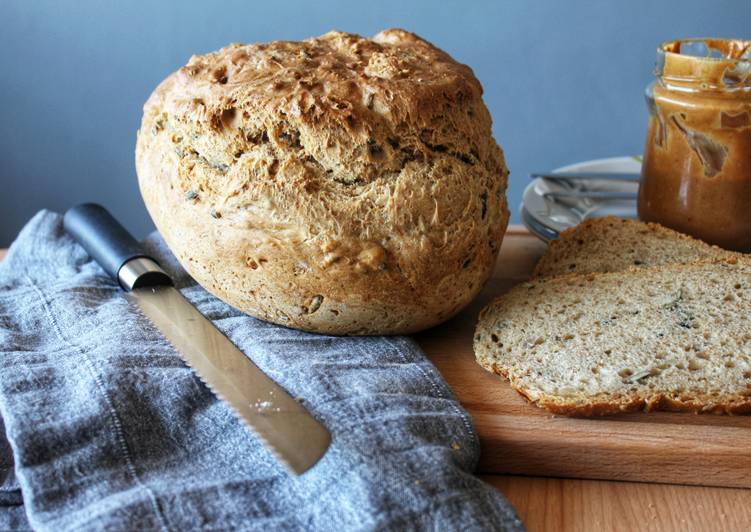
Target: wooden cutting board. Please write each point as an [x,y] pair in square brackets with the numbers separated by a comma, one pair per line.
[520,438]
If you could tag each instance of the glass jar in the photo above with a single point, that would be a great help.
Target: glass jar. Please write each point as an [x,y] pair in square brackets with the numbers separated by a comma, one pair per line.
[696,174]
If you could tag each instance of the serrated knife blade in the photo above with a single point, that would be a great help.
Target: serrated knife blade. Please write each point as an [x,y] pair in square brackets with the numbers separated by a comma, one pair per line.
[296,437]
[284,425]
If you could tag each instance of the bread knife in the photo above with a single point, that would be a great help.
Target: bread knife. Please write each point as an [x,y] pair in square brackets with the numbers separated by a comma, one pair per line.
[281,422]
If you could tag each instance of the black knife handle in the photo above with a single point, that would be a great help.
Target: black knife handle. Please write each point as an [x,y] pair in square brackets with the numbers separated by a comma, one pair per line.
[110,244]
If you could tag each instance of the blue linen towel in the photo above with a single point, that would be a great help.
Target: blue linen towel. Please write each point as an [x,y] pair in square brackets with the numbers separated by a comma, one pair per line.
[110,430]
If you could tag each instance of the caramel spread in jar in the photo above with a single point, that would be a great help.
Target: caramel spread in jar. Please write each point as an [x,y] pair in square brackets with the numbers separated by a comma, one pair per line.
[696,174]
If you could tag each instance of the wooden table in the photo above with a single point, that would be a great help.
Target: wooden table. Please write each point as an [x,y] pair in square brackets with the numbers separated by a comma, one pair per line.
[579,504]
[582,505]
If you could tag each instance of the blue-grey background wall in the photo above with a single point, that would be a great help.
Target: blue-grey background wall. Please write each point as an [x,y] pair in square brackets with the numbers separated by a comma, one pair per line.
[563,79]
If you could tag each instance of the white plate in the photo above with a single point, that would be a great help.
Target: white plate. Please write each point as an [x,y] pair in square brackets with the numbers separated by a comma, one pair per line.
[547,216]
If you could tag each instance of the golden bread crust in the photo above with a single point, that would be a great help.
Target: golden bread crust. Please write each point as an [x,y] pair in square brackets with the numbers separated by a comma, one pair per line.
[340,184]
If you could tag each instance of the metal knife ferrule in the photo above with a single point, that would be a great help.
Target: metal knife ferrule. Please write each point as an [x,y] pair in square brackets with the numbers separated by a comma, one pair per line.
[141,271]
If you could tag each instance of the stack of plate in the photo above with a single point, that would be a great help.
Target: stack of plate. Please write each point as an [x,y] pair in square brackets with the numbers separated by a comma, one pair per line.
[551,205]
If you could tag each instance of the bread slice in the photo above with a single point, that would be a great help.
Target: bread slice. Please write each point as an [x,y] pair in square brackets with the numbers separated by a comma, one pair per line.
[612,244]
[670,338]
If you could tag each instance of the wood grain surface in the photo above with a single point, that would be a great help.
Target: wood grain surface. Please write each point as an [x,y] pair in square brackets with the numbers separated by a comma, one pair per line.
[520,438]
[594,505]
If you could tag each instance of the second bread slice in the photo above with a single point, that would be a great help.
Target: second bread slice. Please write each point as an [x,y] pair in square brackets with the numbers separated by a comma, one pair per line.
[612,244]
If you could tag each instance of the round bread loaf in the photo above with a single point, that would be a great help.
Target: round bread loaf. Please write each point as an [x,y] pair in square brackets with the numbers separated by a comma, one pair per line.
[340,184]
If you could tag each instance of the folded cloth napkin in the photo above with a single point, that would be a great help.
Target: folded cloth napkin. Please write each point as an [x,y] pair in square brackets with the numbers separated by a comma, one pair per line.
[110,430]
[12,515]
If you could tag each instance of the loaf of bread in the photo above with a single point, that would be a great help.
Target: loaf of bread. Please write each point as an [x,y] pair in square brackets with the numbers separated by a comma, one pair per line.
[612,244]
[341,184]
[674,337]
